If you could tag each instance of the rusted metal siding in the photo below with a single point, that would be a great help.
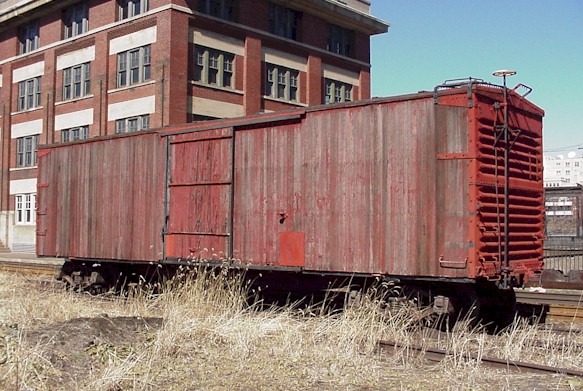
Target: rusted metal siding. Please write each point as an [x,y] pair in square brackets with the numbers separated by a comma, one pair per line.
[526,203]
[102,200]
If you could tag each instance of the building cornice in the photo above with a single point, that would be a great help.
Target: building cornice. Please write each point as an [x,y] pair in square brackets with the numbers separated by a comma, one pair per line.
[339,13]
[11,9]
[332,10]
[190,12]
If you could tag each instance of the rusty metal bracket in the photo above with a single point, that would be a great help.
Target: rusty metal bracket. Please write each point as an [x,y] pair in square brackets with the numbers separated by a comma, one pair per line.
[520,85]
[453,264]
[454,156]
[454,83]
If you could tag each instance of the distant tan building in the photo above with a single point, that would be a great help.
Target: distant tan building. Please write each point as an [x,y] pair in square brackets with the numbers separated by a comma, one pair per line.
[563,170]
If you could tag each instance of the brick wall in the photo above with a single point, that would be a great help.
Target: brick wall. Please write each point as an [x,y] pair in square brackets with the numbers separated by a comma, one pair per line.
[172,63]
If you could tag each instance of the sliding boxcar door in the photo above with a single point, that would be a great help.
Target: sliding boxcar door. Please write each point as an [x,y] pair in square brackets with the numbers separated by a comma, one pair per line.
[198,202]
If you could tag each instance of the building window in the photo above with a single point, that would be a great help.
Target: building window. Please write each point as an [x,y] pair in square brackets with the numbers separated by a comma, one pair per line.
[567,164]
[25,208]
[282,83]
[76,81]
[576,164]
[133,66]
[568,172]
[340,40]
[26,148]
[29,93]
[28,37]
[284,21]
[130,8]
[214,67]
[76,20]
[132,124]
[224,9]
[337,91]
[78,133]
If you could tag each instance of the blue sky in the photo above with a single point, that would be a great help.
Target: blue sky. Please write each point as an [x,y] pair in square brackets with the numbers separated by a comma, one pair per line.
[432,41]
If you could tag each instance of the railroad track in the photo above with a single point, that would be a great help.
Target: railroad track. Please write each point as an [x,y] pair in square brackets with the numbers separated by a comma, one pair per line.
[437,355]
[29,268]
[569,299]
[562,306]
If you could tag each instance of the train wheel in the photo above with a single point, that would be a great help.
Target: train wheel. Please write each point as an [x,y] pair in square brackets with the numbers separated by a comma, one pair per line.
[449,305]
[96,289]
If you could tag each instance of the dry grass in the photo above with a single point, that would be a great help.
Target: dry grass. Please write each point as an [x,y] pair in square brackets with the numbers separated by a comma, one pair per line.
[208,338]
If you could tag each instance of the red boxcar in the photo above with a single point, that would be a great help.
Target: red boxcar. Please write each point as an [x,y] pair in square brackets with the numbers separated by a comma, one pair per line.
[407,187]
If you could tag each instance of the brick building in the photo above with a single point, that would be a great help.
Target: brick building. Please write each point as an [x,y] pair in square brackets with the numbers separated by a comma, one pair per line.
[564,212]
[564,232]
[72,70]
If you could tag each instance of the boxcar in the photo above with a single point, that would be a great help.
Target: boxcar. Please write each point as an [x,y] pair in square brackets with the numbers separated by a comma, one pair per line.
[411,189]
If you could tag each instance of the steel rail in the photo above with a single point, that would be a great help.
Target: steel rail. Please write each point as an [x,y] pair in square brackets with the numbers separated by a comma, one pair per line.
[36,268]
[571,299]
[438,355]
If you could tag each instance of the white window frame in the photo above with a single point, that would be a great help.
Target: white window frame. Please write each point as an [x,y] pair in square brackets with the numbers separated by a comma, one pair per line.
[25,209]
[29,37]
[214,67]
[76,133]
[26,151]
[132,124]
[29,93]
[77,81]
[75,20]
[282,83]
[130,8]
[134,66]
[336,91]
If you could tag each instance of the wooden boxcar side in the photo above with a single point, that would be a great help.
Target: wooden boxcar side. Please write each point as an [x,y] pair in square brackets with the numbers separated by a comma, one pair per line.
[102,199]
[406,186]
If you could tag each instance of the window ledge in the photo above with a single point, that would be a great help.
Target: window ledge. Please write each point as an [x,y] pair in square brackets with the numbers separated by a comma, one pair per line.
[63,102]
[22,168]
[27,110]
[147,83]
[214,87]
[289,102]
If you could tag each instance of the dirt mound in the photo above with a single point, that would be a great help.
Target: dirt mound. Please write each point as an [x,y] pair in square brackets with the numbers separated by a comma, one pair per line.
[80,345]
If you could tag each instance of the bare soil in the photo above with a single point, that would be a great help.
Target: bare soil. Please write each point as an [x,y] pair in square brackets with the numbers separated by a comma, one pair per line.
[80,346]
